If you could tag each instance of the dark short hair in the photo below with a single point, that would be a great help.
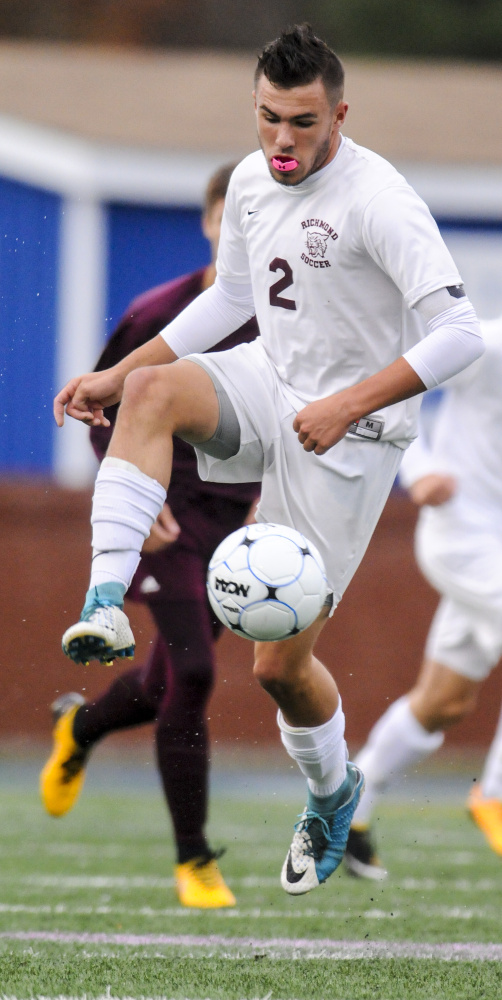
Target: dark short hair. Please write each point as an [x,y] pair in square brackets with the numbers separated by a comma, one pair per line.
[217,185]
[297,58]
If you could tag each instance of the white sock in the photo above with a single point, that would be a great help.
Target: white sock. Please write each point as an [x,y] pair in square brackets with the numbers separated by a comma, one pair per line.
[319,751]
[396,742]
[491,778]
[126,503]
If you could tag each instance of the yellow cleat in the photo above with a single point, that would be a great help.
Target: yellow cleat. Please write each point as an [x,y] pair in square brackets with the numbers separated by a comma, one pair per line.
[487,815]
[200,884]
[63,776]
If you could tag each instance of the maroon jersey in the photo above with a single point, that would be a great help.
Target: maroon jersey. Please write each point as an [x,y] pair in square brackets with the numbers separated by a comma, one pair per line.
[145,317]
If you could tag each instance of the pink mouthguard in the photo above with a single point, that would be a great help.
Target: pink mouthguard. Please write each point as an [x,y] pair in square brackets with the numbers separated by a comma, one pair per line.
[289,164]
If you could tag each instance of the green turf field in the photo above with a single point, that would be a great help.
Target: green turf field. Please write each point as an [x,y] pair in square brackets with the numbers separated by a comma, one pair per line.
[87,907]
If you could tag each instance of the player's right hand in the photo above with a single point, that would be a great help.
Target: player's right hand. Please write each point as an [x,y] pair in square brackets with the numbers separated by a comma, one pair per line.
[433,490]
[86,396]
[165,531]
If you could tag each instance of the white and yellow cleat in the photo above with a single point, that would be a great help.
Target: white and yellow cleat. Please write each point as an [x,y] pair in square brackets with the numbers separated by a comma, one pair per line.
[103,634]
[200,884]
[487,815]
[63,776]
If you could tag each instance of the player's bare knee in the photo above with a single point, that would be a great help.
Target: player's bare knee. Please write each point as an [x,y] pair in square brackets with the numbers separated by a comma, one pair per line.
[141,386]
[276,672]
[455,709]
[445,713]
[269,667]
[271,676]
[146,391]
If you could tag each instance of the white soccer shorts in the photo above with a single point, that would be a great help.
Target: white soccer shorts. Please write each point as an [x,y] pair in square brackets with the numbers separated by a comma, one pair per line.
[334,499]
[461,557]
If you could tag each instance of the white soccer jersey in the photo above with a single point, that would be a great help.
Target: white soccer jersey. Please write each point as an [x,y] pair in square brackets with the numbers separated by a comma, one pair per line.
[466,439]
[336,265]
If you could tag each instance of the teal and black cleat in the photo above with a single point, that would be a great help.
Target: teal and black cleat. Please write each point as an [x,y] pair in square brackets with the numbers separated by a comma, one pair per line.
[103,633]
[319,843]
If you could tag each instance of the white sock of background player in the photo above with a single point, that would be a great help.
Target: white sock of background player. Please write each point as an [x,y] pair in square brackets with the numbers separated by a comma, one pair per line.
[396,742]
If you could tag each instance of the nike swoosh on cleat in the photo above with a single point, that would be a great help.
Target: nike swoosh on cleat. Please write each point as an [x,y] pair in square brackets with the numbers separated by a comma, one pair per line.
[291,875]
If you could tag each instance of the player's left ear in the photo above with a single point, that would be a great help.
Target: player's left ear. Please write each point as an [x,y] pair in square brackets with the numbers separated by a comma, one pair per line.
[340,113]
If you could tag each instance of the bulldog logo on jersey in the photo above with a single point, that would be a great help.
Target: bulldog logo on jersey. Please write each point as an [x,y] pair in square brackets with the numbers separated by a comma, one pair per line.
[318,235]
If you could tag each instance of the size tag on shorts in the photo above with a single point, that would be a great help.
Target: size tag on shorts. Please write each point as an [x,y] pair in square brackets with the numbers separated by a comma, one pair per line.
[369,428]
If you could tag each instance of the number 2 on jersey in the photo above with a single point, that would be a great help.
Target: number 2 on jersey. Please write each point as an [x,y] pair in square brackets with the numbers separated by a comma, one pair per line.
[279,264]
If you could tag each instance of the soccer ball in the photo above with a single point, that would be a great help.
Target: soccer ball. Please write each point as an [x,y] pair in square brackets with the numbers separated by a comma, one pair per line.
[266,582]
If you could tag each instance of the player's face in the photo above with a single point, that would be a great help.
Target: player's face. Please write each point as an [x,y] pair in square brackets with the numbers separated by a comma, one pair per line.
[297,126]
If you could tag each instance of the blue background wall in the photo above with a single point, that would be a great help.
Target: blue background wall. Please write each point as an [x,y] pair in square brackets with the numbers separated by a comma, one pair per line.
[147,246]
[29,228]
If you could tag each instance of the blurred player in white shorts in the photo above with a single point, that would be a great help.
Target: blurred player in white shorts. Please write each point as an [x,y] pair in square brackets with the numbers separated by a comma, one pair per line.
[360,308]
[454,475]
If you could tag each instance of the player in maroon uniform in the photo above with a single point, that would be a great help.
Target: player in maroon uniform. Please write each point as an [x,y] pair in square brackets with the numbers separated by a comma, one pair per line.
[174,686]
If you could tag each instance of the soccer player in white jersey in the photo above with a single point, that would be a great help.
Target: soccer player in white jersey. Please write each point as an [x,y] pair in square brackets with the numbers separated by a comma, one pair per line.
[345,269]
[455,477]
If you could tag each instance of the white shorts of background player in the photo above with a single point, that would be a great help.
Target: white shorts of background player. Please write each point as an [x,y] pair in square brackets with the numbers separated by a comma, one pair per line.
[459,551]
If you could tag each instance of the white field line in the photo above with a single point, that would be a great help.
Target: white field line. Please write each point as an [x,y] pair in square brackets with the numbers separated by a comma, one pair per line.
[460,884]
[131,882]
[96,881]
[294,948]
[103,996]
[255,913]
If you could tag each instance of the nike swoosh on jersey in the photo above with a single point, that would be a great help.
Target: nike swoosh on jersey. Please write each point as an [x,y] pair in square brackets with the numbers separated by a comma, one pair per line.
[253,211]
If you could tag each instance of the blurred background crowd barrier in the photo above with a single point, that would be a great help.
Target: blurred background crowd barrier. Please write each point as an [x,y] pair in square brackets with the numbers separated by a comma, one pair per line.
[113,115]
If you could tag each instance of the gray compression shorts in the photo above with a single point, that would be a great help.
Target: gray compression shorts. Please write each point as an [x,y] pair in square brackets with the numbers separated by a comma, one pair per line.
[226,440]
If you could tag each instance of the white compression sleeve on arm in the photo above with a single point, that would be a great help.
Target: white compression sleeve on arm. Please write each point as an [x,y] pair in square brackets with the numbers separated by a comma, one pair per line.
[218,311]
[454,342]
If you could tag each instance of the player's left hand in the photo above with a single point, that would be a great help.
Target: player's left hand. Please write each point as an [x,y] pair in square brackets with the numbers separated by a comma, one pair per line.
[85,397]
[323,423]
